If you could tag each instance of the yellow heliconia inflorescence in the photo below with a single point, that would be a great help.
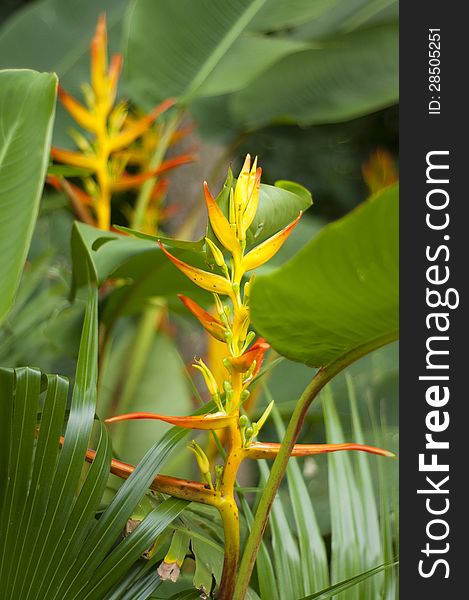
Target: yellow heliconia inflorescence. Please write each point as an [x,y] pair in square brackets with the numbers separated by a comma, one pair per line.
[115,139]
[231,324]
[240,357]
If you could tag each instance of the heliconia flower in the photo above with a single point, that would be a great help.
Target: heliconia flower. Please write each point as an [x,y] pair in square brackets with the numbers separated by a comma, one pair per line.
[117,139]
[380,171]
[254,353]
[209,322]
[264,252]
[205,422]
[270,450]
[220,224]
[207,281]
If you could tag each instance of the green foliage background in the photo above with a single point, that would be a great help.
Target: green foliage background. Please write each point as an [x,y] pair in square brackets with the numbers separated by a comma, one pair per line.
[309,86]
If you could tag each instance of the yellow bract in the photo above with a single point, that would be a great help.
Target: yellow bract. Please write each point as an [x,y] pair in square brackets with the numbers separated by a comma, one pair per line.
[246,196]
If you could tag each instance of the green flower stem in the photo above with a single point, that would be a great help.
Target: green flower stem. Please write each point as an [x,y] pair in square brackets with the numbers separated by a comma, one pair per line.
[321,378]
[157,158]
[141,345]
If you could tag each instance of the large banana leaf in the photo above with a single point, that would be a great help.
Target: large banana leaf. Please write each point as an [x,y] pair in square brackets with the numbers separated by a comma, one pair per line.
[345,77]
[27,105]
[340,292]
[162,60]
[264,78]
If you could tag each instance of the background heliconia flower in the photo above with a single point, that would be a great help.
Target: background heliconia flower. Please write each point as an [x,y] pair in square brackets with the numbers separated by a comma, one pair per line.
[114,155]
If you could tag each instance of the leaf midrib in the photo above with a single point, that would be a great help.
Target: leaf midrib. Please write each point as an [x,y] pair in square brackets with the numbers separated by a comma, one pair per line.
[222,48]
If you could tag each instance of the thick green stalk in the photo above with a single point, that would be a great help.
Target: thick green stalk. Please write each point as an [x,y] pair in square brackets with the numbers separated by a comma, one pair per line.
[157,158]
[321,378]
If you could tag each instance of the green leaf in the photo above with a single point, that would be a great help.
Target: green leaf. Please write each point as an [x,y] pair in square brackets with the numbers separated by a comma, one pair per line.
[286,553]
[340,293]
[145,272]
[117,564]
[249,56]
[264,567]
[349,583]
[208,563]
[373,552]
[353,527]
[27,104]
[348,76]
[189,594]
[313,557]
[281,15]
[347,15]
[161,60]
[53,546]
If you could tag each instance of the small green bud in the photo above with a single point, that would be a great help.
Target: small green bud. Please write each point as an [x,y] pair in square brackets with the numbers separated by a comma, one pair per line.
[218,304]
[245,395]
[249,433]
[243,421]
[216,252]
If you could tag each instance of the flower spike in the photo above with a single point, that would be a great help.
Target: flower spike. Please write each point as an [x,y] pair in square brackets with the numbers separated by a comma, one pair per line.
[118,137]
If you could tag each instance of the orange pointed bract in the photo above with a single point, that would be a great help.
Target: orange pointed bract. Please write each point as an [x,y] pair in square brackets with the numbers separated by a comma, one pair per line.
[81,115]
[270,450]
[207,281]
[210,323]
[220,224]
[255,353]
[264,252]
[209,421]
[99,59]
